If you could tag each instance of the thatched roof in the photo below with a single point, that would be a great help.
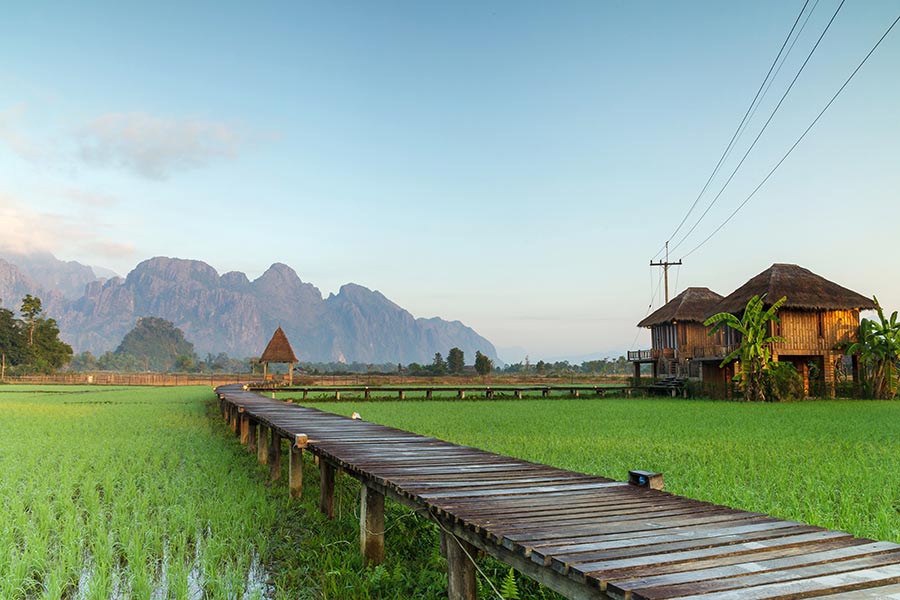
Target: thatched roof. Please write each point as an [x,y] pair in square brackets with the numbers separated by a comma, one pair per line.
[692,304]
[279,349]
[804,291]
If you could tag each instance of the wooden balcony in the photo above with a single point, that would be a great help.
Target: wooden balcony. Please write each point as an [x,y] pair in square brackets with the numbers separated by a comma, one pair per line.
[651,355]
[717,352]
[640,355]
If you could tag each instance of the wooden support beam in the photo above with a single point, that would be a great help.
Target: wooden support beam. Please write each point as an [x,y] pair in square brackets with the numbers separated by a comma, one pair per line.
[337,395]
[576,393]
[245,427]
[428,394]
[251,436]
[295,470]
[368,393]
[371,525]
[274,456]
[461,394]
[461,583]
[518,394]
[646,479]
[326,488]
[401,395]
[489,393]
[262,448]
[234,420]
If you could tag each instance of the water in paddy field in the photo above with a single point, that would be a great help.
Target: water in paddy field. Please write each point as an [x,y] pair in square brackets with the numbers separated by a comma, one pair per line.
[256,586]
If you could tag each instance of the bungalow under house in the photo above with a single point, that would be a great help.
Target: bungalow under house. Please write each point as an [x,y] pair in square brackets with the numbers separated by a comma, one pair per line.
[818,320]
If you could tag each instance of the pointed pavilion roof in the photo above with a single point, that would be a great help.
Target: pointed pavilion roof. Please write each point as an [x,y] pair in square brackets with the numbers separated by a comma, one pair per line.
[690,305]
[279,349]
[804,291]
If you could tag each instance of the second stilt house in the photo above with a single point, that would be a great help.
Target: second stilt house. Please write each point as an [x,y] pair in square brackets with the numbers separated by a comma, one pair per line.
[676,331]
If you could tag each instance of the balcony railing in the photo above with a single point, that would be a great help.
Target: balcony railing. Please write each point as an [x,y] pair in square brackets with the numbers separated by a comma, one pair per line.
[654,354]
[714,352]
[639,355]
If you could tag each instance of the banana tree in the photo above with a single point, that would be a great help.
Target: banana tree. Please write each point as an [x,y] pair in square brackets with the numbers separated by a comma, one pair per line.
[754,352]
[878,348]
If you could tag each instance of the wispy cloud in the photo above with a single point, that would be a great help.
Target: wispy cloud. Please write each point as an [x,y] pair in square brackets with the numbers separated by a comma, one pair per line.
[11,134]
[154,147]
[24,230]
[90,199]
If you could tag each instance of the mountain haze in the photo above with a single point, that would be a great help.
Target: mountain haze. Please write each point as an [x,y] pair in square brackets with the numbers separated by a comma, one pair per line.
[230,313]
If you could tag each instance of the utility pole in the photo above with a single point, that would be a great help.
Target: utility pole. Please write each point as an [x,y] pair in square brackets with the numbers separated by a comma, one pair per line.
[665,264]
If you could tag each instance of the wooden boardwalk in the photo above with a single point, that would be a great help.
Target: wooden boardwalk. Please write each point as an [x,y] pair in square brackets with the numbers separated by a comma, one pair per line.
[581,535]
[486,391]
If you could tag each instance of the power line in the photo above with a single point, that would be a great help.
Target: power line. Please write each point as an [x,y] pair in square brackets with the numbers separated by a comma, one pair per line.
[800,139]
[783,60]
[741,124]
[653,292]
[764,127]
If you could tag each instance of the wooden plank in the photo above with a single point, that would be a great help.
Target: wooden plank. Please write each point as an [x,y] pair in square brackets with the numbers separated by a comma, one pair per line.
[696,543]
[808,588]
[887,592]
[606,569]
[766,577]
[712,571]
[713,562]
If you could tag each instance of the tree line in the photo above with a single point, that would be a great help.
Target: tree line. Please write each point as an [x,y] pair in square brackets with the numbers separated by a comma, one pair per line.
[30,343]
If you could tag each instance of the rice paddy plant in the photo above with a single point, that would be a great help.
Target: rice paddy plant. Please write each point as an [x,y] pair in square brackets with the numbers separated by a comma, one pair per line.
[109,493]
[830,463]
[114,493]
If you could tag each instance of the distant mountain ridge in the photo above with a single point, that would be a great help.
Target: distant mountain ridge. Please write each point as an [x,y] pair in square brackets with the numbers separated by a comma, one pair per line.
[230,313]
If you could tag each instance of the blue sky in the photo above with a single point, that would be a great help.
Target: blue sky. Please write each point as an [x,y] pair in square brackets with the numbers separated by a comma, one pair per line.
[513,165]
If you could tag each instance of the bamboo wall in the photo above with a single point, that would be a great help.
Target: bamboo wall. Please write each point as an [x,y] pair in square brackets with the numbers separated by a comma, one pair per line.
[814,333]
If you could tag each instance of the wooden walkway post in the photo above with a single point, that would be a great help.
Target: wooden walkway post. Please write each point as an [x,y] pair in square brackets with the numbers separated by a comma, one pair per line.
[251,436]
[326,488]
[262,449]
[274,456]
[295,470]
[371,525]
[245,425]
[234,421]
[461,583]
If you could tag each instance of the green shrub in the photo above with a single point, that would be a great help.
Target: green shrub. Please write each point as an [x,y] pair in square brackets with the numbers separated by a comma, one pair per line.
[783,382]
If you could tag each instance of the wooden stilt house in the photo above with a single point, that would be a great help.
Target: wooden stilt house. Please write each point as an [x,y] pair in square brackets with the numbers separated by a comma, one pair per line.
[817,321]
[676,329]
[279,351]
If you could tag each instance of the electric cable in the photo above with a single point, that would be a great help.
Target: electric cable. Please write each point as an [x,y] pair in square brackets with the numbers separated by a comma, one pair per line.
[800,139]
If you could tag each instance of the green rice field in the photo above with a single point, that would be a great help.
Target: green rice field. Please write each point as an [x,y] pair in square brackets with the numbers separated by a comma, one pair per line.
[143,493]
[109,493]
[830,463]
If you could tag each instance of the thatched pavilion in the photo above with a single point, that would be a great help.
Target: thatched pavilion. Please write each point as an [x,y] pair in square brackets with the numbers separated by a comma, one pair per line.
[817,321]
[279,351]
[676,329]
